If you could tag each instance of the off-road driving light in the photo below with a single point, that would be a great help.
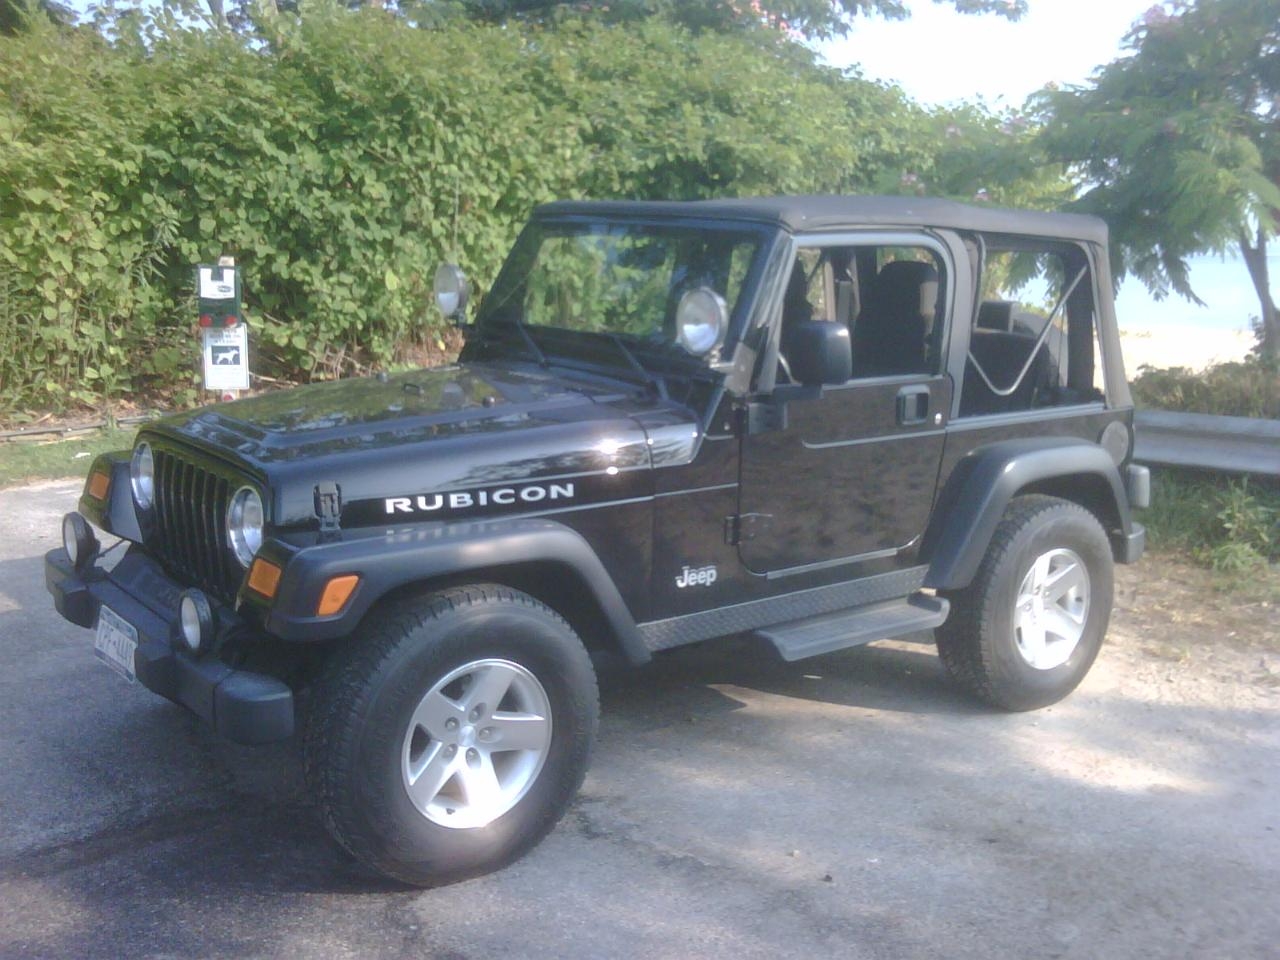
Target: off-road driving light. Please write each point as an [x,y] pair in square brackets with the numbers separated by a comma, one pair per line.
[78,540]
[701,319]
[142,473]
[244,524]
[195,620]
[451,289]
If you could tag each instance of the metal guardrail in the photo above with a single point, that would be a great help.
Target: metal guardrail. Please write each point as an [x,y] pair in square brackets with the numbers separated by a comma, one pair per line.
[1230,444]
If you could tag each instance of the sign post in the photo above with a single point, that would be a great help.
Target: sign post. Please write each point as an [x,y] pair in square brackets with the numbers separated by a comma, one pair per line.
[224,333]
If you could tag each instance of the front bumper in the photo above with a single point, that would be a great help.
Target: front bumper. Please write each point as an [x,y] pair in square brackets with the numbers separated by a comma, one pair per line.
[241,706]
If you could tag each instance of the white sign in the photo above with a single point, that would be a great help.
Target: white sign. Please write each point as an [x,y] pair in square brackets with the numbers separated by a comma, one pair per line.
[221,288]
[226,358]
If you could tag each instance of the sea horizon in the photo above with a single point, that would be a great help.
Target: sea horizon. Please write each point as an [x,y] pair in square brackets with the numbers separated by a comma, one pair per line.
[1221,281]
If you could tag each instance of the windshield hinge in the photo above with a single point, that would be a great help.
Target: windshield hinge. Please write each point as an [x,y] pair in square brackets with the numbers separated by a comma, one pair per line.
[329,509]
[743,527]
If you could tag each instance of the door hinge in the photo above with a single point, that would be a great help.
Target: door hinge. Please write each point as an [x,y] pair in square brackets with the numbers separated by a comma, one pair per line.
[329,509]
[743,527]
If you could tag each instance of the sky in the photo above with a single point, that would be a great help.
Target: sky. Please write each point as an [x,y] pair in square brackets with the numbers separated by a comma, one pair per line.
[939,56]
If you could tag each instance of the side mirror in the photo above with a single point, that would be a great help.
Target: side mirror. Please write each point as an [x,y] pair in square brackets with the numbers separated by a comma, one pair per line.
[451,291]
[819,352]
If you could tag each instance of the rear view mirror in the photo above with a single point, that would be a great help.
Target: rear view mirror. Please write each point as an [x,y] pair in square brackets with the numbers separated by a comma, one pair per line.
[819,352]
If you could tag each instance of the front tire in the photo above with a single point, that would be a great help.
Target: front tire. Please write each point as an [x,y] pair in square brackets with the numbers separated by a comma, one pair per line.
[1026,631]
[450,736]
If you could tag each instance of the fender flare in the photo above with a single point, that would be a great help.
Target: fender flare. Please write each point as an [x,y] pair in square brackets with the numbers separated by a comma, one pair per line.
[118,515]
[986,479]
[387,560]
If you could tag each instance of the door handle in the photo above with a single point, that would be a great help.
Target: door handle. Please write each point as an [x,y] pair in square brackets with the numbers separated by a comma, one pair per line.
[913,405]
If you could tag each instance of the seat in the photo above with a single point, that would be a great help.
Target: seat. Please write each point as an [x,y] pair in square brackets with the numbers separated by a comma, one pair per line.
[891,333]
[1002,356]
[1001,342]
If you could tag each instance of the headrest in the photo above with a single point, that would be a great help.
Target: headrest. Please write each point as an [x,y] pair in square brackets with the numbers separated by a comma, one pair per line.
[909,288]
[996,315]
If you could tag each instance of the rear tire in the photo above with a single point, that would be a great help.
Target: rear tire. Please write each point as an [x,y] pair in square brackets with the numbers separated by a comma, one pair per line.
[449,737]
[1026,631]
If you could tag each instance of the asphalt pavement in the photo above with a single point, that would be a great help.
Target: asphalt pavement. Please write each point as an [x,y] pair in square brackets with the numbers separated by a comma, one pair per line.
[851,806]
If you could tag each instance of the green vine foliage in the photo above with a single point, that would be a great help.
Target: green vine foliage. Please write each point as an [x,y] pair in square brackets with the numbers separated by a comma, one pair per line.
[340,156]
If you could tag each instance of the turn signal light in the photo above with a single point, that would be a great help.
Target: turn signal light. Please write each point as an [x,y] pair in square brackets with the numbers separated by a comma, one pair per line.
[99,484]
[264,578]
[336,594]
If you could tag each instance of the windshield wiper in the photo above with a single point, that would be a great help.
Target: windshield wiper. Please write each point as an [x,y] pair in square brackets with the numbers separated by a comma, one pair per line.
[657,383]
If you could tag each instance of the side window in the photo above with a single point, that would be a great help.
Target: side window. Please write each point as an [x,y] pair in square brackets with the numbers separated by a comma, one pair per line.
[1033,342]
[890,297]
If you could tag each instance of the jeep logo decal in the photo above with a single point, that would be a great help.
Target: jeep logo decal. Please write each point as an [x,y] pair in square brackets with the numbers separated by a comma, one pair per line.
[696,577]
[466,499]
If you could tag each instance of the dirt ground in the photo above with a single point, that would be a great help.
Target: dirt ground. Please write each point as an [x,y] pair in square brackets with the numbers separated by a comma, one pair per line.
[1168,612]
[854,805]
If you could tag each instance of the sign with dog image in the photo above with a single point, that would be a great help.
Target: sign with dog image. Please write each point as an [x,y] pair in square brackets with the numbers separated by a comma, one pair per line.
[226,358]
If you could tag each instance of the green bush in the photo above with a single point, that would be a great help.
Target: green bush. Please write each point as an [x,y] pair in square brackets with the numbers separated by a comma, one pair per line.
[81,312]
[1250,388]
[340,156]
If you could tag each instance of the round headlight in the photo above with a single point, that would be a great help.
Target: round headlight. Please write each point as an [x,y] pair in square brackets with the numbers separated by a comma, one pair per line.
[244,524]
[451,289]
[78,540]
[142,475]
[195,620]
[701,319]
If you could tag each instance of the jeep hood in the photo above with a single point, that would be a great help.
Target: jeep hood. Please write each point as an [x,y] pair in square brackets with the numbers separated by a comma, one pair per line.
[456,428]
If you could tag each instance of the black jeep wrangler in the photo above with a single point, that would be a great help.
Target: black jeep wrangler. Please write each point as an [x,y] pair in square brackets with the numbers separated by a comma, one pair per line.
[824,420]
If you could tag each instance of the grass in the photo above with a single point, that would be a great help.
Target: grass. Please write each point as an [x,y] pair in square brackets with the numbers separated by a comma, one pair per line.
[24,461]
[1228,524]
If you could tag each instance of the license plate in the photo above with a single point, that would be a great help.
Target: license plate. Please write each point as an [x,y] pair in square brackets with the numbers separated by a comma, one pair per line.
[115,642]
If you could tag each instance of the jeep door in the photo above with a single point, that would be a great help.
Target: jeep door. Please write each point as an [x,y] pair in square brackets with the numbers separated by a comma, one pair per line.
[846,479]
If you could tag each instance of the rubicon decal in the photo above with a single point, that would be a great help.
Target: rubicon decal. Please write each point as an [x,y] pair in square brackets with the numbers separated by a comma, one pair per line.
[437,503]
[510,498]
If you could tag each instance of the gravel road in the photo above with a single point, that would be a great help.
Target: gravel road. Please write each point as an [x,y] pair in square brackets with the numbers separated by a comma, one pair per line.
[850,806]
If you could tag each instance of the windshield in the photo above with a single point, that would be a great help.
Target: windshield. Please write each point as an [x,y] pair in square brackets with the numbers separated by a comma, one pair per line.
[617,278]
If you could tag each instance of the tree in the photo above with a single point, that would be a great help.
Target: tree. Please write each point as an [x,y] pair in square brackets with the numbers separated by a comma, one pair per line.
[1177,144]
[814,19]
[15,14]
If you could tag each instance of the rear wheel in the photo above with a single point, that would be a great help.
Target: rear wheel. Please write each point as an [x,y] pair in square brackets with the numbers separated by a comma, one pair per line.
[450,738]
[1027,630]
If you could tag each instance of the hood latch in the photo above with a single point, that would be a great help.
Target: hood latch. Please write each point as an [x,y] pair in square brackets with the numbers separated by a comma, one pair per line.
[329,510]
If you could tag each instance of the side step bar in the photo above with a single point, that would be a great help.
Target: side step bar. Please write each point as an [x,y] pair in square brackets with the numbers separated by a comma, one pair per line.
[849,628]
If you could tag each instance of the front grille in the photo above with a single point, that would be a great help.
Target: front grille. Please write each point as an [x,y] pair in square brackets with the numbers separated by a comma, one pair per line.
[190,533]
